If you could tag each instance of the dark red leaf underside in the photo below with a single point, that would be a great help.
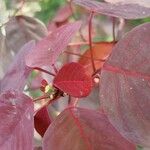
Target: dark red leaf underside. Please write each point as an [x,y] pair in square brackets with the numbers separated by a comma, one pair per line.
[73,80]
[42,120]
[101,51]
[127,11]
[46,52]
[16,127]
[17,73]
[125,85]
[82,129]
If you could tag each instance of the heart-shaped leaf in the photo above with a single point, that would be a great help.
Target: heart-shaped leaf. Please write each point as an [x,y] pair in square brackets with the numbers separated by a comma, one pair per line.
[16,127]
[126,11]
[101,51]
[42,120]
[73,80]
[125,85]
[18,72]
[46,52]
[82,129]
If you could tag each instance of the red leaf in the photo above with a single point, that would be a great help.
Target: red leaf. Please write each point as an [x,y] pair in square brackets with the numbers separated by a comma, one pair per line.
[46,52]
[82,129]
[101,51]
[125,85]
[16,127]
[42,121]
[18,72]
[73,80]
[127,11]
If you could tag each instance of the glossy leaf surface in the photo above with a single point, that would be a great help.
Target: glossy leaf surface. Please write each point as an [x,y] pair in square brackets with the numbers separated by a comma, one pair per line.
[17,73]
[101,51]
[16,127]
[82,129]
[49,48]
[125,85]
[126,11]
[73,80]
[42,120]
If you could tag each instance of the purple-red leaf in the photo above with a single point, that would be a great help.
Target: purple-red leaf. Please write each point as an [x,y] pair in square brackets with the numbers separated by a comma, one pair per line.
[127,11]
[16,126]
[145,3]
[73,80]
[82,129]
[42,120]
[46,52]
[125,85]
[18,72]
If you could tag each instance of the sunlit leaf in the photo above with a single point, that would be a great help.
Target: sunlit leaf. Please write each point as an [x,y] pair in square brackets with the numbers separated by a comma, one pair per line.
[101,51]
[125,85]
[73,80]
[82,129]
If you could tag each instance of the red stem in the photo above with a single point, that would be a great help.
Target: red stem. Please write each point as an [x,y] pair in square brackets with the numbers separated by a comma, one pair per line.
[48,103]
[41,98]
[45,71]
[55,69]
[90,41]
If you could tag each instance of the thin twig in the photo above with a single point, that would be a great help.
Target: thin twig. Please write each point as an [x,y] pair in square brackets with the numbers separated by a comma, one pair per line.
[113,29]
[90,41]
[55,69]
[47,103]
[41,98]
[45,71]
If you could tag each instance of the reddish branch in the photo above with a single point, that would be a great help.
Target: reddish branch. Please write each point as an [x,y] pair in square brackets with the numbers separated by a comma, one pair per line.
[45,71]
[90,41]
[113,29]
[47,103]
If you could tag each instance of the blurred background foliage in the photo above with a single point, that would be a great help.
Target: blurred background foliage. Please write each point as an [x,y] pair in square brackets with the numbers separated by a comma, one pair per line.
[45,10]
[48,9]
